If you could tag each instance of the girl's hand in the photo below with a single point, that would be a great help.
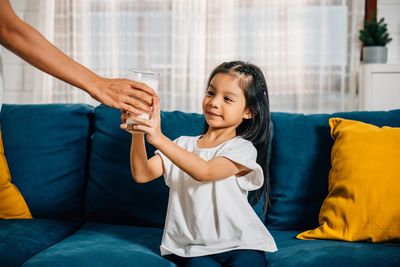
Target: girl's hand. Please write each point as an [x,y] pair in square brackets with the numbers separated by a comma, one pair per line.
[151,127]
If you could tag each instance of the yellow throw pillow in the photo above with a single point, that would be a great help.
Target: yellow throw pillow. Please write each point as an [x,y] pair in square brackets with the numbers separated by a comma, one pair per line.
[363,203]
[12,204]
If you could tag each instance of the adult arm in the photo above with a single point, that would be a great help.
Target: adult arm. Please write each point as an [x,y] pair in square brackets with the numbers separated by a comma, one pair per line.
[26,42]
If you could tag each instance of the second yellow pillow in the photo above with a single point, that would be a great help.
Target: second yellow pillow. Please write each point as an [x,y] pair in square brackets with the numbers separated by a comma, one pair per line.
[364,185]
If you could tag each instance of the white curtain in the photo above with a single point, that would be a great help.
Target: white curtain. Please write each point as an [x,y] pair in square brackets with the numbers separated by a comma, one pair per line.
[308,49]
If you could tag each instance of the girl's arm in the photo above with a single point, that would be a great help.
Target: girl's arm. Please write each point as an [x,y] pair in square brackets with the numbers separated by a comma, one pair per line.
[198,168]
[142,169]
[23,40]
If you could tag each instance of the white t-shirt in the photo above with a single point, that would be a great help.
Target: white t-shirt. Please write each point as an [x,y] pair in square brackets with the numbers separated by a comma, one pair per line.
[206,218]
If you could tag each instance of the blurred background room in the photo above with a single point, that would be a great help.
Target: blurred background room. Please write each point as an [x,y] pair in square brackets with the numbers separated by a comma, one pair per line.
[309,50]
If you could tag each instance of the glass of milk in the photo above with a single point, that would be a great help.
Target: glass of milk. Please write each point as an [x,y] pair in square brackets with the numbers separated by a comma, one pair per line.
[151,79]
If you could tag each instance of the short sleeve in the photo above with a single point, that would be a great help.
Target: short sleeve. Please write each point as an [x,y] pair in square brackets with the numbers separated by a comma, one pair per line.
[244,153]
[167,163]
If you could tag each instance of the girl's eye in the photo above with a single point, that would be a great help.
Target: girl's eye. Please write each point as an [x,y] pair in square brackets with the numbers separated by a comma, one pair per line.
[227,99]
[210,93]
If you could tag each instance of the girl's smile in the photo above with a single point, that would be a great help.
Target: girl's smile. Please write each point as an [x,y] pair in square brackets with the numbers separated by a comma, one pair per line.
[210,113]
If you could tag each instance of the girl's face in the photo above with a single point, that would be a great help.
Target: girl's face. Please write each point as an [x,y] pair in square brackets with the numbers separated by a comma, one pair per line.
[224,105]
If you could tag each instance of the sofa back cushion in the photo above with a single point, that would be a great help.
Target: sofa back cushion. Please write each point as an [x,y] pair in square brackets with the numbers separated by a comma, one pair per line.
[112,195]
[300,164]
[46,148]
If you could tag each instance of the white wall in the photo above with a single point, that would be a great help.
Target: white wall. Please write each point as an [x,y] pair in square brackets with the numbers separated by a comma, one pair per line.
[15,69]
[390,10]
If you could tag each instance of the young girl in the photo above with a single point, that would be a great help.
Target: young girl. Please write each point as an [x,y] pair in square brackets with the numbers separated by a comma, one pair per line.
[209,219]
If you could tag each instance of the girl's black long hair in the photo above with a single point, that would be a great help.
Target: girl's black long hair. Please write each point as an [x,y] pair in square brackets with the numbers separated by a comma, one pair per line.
[257,129]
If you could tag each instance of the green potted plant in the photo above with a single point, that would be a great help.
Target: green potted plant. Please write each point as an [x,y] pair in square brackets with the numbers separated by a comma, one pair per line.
[374,37]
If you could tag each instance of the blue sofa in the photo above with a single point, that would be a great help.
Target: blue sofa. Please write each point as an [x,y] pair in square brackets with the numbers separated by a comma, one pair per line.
[71,164]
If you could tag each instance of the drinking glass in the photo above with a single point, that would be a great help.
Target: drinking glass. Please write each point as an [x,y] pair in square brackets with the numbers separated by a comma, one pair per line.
[151,79]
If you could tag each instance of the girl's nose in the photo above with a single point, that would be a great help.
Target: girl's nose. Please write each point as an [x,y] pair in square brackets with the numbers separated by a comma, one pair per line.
[214,103]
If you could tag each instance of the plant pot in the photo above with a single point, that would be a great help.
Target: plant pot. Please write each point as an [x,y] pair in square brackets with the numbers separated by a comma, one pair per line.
[375,54]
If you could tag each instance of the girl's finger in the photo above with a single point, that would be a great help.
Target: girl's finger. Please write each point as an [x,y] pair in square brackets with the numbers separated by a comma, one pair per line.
[143,121]
[158,105]
[142,128]
[156,108]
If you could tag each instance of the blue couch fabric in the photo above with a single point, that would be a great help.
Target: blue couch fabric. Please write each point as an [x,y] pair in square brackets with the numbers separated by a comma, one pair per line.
[71,164]
[105,245]
[22,239]
[328,253]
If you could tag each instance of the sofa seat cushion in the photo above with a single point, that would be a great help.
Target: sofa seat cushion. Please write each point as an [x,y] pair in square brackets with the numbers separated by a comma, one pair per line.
[105,245]
[20,239]
[295,252]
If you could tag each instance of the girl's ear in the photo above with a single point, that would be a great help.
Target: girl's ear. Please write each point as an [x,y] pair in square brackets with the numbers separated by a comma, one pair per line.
[247,114]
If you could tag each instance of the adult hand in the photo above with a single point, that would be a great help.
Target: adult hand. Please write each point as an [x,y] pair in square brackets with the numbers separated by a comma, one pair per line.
[126,95]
